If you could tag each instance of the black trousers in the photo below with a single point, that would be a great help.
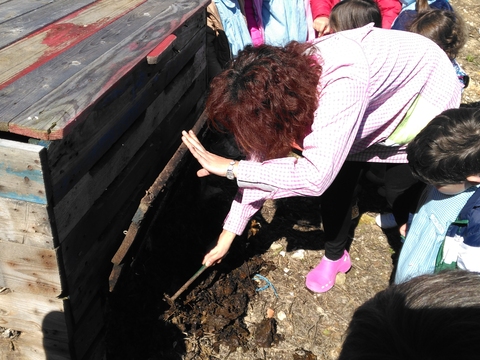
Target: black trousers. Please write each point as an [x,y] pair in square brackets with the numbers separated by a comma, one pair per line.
[336,208]
[402,191]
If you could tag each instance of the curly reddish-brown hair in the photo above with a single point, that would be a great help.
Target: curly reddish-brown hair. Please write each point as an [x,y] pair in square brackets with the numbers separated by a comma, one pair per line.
[266,98]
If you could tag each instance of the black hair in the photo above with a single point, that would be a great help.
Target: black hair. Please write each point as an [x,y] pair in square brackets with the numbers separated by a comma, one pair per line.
[447,150]
[430,317]
[351,14]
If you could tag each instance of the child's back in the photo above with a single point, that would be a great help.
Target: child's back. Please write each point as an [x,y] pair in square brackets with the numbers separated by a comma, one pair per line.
[445,154]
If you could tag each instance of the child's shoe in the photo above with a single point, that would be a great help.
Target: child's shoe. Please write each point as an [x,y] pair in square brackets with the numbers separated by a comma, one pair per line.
[322,278]
[386,221]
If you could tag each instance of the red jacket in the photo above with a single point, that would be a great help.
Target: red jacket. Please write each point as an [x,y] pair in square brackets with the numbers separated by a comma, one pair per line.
[389,9]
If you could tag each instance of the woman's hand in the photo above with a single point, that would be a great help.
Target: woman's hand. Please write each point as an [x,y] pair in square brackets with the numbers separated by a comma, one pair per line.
[211,163]
[322,25]
[215,255]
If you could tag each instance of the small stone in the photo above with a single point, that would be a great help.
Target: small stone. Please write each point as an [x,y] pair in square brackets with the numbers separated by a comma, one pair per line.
[340,280]
[299,254]
[281,316]
[276,246]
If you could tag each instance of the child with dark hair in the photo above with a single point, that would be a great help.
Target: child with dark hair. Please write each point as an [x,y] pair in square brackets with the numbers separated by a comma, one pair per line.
[410,8]
[429,317]
[351,14]
[321,11]
[445,155]
[446,29]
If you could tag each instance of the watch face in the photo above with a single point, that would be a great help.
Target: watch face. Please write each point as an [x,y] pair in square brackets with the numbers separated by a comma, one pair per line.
[230,174]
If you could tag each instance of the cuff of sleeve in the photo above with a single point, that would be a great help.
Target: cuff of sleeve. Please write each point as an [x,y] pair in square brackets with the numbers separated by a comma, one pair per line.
[236,226]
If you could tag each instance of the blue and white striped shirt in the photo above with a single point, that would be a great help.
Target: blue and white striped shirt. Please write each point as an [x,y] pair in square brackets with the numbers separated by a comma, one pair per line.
[427,232]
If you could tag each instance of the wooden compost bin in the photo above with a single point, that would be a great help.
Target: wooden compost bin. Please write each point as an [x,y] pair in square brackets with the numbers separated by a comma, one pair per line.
[93,97]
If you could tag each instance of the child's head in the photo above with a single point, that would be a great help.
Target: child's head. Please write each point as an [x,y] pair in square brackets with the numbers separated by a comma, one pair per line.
[447,150]
[428,317]
[351,14]
[443,27]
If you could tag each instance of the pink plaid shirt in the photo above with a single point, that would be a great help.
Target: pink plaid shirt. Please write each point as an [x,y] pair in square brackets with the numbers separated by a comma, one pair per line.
[370,78]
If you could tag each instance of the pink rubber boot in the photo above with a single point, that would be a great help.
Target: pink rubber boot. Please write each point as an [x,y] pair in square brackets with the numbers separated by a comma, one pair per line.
[322,278]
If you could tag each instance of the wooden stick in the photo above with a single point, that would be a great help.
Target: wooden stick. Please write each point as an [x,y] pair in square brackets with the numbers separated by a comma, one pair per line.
[185,286]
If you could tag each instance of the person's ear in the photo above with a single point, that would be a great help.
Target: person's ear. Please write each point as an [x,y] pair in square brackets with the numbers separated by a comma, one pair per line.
[474,179]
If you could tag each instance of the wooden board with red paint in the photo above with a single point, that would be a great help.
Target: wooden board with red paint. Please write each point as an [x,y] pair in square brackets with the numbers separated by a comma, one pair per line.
[19,19]
[56,74]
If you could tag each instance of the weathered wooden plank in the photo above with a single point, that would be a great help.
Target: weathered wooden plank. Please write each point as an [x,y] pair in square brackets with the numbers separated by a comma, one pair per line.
[63,107]
[89,327]
[89,238]
[32,346]
[97,349]
[27,223]
[21,172]
[49,42]
[38,83]
[25,23]
[167,44]
[13,9]
[80,199]
[71,158]
[30,270]
[38,313]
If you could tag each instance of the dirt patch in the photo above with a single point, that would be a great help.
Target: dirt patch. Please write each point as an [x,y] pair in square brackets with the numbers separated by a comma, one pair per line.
[254,305]
[469,57]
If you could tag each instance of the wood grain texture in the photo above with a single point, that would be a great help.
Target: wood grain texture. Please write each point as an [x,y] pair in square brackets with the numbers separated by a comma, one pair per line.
[92,67]
[33,346]
[32,316]
[27,223]
[30,270]
[80,199]
[71,158]
[24,23]
[42,323]
[154,55]
[50,41]
[90,326]
[21,172]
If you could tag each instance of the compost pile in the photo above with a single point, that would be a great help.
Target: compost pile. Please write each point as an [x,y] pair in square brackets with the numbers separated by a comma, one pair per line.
[218,306]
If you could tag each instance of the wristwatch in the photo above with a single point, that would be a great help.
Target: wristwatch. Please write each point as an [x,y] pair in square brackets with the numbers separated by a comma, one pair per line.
[230,175]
